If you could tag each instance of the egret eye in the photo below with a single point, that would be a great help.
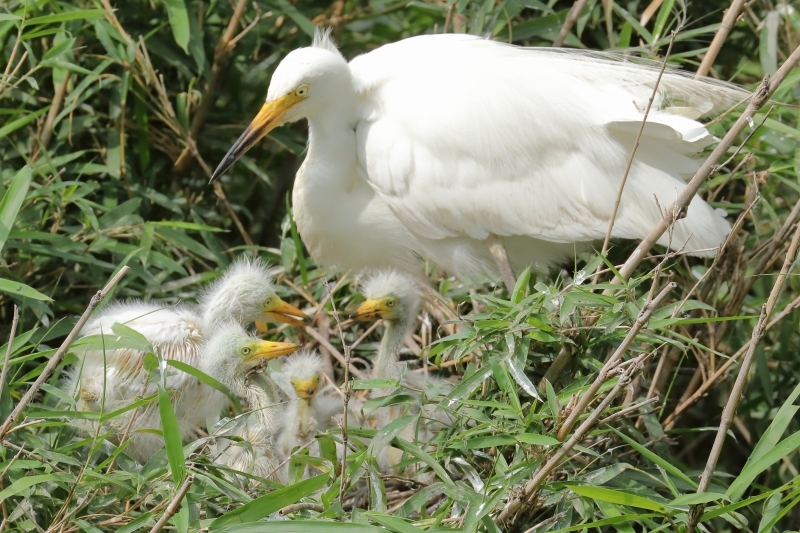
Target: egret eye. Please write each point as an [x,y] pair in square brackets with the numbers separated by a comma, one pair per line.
[390,303]
[267,302]
[301,91]
[245,350]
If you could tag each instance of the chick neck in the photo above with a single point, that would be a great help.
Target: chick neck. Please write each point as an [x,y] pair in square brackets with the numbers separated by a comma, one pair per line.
[387,365]
[262,399]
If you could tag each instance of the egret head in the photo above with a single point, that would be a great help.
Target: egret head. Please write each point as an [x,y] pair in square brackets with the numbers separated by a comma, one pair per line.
[304,372]
[231,355]
[305,82]
[390,295]
[245,293]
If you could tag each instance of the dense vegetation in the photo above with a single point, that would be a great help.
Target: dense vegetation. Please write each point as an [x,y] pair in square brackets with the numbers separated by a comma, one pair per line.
[111,118]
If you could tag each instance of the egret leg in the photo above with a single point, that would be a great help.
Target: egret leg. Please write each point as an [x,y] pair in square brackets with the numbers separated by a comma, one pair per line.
[501,260]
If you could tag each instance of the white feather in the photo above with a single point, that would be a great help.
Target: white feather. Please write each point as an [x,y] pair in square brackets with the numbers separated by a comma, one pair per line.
[426,147]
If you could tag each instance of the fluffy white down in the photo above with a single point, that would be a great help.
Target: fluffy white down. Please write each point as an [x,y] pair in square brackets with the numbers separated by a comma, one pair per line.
[457,138]
[302,365]
[113,378]
[239,294]
[387,282]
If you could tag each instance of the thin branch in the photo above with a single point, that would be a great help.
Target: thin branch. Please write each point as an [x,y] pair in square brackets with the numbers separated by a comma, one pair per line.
[636,146]
[728,20]
[572,17]
[696,512]
[545,470]
[59,355]
[173,506]
[670,421]
[610,365]
[627,410]
[678,208]
[348,392]
[330,347]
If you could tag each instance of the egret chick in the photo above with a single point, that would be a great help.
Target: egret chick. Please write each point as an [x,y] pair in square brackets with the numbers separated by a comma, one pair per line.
[308,411]
[112,378]
[235,359]
[395,297]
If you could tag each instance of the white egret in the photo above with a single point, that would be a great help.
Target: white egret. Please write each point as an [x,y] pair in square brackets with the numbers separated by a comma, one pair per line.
[234,359]
[395,297]
[473,153]
[113,378]
[308,411]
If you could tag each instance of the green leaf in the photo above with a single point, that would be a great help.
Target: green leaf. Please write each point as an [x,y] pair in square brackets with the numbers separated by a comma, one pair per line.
[266,505]
[536,439]
[615,496]
[484,442]
[392,523]
[172,437]
[22,484]
[752,470]
[663,463]
[78,14]
[208,380]
[521,286]
[20,289]
[304,526]
[179,22]
[14,125]
[695,498]
[521,379]
[12,201]
[661,19]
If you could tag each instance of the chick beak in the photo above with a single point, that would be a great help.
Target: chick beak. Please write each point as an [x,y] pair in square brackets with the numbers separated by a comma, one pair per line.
[269,118]
[305,389]
[280,311]
[369,310]
[271,350]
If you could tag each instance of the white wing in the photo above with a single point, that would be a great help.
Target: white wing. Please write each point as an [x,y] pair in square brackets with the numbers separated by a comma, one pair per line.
[467,137]
[174,331]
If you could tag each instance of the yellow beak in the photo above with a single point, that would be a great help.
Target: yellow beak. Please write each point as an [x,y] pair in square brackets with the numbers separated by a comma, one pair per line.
[370,310]
[271,350]
[306,389]
[280,311]
[269,118]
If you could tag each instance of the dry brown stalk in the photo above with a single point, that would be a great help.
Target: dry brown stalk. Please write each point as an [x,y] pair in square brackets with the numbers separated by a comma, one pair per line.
[348,392]
[635,147]
[224,47]
[57,357]
[728,20]
[678,208]
[572,17]
[55,109]
[612,363]
[173,506]
[538,479]
[696,512]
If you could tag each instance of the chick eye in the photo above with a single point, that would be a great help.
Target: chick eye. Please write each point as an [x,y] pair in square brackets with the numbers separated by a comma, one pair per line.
[302,90]
[390,303]
[267,302]
[246,351]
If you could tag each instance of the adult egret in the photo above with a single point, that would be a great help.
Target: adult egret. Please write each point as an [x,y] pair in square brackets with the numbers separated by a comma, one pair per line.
[112,378]
[394,296]
[234,359]
[483,156]
[308,411]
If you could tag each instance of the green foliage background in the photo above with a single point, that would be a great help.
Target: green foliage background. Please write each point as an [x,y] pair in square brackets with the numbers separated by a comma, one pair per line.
[109,123]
